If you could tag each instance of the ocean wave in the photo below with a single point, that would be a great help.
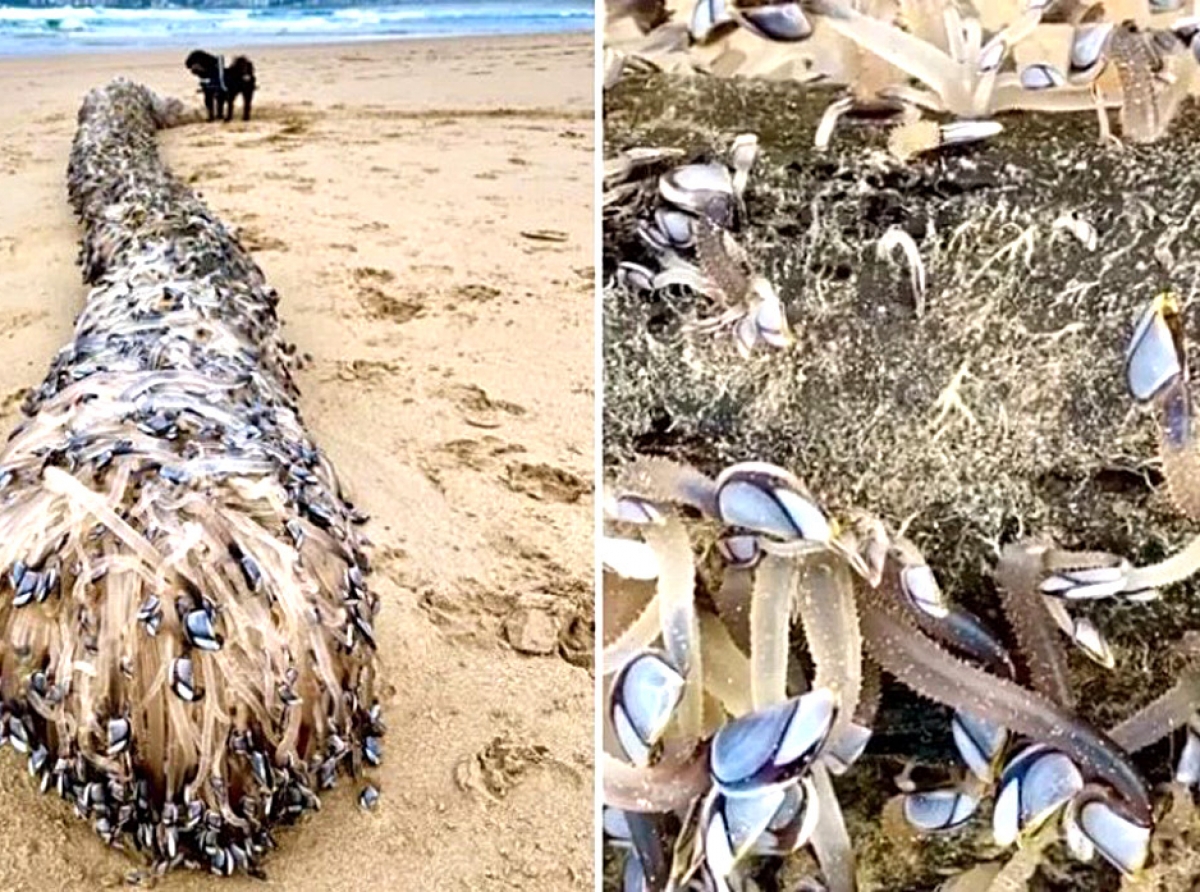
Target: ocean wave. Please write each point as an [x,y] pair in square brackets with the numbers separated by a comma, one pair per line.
[24,28]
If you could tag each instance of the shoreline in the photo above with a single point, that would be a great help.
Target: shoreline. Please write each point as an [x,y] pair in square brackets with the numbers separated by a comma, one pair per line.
[418,61]
[366,41]
[7,52]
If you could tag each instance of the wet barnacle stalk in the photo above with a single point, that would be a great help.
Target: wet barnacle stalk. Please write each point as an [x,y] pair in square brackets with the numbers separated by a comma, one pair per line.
[186,645]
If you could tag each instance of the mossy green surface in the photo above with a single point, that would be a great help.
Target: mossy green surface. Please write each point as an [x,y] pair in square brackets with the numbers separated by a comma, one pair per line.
[999,411]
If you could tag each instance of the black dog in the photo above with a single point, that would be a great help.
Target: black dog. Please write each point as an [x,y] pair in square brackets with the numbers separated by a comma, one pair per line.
[223,83]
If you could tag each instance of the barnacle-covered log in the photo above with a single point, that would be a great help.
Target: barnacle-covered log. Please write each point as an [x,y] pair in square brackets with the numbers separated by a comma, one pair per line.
[186,649]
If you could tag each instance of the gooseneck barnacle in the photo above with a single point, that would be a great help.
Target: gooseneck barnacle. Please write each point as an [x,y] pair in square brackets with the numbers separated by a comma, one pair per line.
[855,593]
[749,774]
[1172,709]
[972,62]
[1018,573]
[900,648]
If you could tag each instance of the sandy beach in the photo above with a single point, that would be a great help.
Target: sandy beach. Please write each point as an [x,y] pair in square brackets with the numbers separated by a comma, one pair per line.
[424,209]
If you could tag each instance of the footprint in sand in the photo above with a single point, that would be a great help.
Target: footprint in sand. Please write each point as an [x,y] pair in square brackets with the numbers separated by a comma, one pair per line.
[546,482]
[366,370]
[255,240]
[465,453]
[370,284]
[477,408]
[13,399]
[475,292]
[499,767]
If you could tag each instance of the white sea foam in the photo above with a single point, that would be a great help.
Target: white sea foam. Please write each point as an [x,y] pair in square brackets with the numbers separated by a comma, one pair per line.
[25,29]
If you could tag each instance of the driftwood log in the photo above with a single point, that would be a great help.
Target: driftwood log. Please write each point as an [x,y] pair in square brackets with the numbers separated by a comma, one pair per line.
[186,648]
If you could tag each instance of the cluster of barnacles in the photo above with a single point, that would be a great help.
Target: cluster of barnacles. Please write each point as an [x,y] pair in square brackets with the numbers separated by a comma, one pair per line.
[912,56]
[717,749]
[685,220]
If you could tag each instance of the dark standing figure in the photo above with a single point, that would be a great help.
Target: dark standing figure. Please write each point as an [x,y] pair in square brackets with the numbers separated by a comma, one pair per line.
[223,83]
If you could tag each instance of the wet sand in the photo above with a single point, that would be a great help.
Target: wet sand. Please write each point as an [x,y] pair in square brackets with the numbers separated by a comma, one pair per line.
[423,209]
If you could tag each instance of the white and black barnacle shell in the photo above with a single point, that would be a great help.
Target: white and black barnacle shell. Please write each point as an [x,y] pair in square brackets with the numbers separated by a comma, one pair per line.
[746,336]
[1087,582]
[372,748]
[778,22]
[742,155]
[764,498]
[19,734]
[1155,360]
[38,759]
[1088,47]
[118,736]
[1187,770]
[992,54]
[710,19]
[634,276]
[701,189]
[921,586]
[1186,29]
[730,826]
[794,821]
[369,797]
[631,509]
[183,680]
[771,747]
[150,615]
[739,550]
[1099,821]
[979,742]
[1041,76]
[842,752]
[25,589]
[198,624]
[1033,786]
[939,811]
[645,694]
[654,238]
[769,316]
[616,826]
[1083,633]
[676,227]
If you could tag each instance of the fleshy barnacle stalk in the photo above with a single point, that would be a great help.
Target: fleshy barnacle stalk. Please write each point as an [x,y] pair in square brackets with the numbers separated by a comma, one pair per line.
[1156,72]
[956,66]
[753,308]
[901,648]
[690,235]
[1018,575]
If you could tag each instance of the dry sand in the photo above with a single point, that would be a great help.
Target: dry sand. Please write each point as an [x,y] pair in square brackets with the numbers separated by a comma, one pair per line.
[424,209]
